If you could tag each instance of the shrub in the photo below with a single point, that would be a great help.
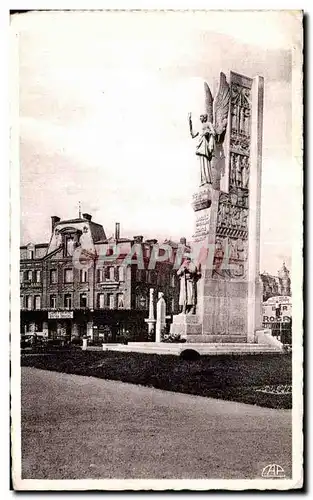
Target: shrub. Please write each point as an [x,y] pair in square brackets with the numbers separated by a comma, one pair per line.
[168,337]
[54,342]
[95,342]
[230,377]
[76,341]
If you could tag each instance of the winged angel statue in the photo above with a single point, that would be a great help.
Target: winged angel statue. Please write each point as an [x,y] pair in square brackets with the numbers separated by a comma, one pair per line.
[214,124]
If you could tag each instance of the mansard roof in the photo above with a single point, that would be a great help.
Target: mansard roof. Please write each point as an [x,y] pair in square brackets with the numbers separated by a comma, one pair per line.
[96,230]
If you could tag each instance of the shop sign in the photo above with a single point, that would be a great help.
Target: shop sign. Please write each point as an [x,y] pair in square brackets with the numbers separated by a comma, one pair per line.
[281,299]
[60,314]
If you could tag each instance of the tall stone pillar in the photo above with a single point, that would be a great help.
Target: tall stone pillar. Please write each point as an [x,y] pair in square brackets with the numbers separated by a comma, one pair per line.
[160,318]
[150,320]
[255,285]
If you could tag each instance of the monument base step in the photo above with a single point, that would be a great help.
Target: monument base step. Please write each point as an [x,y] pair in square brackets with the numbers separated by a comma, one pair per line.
[206,348]
[216,339]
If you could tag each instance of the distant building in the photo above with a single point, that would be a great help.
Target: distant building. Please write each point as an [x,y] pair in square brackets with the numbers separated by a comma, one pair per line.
[277,305]
[78,285]
[277,310]
[276,285]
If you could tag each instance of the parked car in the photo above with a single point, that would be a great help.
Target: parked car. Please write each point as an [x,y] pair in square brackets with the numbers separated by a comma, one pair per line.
[58,342]
[26,341]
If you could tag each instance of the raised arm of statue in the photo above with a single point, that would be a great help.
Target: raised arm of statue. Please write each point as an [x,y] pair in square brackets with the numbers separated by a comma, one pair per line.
[193,135]
[181,270]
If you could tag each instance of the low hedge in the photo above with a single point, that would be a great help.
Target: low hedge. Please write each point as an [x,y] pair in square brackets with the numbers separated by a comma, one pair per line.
[230,377]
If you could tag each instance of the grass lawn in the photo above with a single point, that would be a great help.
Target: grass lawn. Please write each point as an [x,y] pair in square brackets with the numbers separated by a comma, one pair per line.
[229,377]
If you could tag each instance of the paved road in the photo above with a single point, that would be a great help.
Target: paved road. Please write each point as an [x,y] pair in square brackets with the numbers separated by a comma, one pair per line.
[77,427]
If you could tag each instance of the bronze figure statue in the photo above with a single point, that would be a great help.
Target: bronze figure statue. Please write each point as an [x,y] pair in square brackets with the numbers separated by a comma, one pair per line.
[214,124]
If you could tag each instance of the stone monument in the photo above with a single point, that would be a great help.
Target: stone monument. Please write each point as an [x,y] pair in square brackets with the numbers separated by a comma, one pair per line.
[226,241]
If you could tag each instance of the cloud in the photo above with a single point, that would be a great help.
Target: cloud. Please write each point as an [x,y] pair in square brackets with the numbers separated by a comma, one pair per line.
[103,110]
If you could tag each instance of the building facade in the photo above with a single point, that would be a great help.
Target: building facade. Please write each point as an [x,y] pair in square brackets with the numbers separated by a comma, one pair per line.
[276,285]
[277,304]
[83,283]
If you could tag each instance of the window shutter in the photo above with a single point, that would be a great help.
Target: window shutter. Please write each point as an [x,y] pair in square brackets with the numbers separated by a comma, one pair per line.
[121,273]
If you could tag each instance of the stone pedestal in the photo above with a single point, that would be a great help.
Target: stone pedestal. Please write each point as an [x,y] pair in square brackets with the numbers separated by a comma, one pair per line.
[160,320]
[226,240]
[151,326]
[186,325]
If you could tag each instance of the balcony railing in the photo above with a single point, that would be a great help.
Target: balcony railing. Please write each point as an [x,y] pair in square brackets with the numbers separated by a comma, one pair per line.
[108,284]
[32,284]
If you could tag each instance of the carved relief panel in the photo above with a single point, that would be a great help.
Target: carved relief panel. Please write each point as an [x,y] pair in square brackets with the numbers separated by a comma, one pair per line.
[230,258]
[232,217]
[240,132]
[230,261]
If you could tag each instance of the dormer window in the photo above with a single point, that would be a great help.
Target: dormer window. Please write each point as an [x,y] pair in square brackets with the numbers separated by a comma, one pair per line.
[69,245]
[70,239]
[30,251]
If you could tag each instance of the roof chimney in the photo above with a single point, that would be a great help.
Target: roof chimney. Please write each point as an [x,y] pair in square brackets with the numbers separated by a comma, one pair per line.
[117,230]
[87,217]
[54,221]
[138,239]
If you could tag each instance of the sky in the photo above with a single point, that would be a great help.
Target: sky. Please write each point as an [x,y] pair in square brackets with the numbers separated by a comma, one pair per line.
[103,105]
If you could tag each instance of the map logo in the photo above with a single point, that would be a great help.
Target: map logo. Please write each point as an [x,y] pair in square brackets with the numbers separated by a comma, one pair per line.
[273,471]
